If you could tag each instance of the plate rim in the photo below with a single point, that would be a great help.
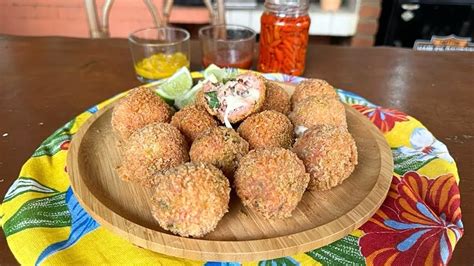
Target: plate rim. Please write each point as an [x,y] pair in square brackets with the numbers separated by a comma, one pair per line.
[177,246]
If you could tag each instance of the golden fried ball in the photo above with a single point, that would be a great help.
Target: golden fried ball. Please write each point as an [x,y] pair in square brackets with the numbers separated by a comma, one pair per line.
[313,88]
[329,154]
[138,109]
[221,147]
[314,111]
[191,199]
[271,181]
[192,121]
[267,129]
[276,99]
[151,149]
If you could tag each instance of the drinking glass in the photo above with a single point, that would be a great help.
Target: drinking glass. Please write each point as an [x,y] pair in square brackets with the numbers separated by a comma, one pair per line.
[227,46]
[158,52]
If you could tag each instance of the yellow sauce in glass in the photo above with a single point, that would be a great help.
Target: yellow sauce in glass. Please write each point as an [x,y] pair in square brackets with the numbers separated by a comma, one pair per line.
[161,65]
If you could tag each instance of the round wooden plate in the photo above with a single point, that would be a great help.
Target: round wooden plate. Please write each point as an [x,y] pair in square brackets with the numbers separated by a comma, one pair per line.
[242,235]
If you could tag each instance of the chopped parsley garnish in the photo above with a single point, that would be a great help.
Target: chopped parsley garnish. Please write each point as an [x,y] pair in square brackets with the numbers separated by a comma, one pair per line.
[212,101]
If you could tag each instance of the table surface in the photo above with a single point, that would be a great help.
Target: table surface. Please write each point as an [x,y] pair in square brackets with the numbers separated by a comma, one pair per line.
[46,81]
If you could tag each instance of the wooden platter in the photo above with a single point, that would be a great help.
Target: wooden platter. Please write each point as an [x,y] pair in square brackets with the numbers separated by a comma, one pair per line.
[242,235]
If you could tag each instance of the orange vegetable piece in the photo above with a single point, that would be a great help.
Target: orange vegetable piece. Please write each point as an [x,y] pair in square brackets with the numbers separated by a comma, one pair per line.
[283,44]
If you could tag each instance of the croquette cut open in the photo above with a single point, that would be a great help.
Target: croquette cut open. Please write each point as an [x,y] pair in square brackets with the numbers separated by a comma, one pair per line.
[233,100]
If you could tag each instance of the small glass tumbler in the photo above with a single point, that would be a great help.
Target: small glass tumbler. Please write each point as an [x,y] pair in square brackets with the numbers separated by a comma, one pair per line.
[227,46]
[158,52]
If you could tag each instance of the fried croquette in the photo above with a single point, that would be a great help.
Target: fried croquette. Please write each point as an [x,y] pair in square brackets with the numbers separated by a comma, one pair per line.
[329,154]
[192,121]
[271,181]
[314,111]
[235,99]
[267,129]
[313,88]
[138,109]
[276,99]
[221,147]
[189,200]
[151,149]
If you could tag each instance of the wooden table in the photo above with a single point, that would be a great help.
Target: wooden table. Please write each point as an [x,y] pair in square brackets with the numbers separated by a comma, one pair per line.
[44,82]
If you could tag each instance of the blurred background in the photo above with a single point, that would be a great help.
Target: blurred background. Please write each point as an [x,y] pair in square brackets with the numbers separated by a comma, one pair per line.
[359,23]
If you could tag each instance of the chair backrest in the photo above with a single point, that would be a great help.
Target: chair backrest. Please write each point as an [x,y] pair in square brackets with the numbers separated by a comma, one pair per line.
[99,27]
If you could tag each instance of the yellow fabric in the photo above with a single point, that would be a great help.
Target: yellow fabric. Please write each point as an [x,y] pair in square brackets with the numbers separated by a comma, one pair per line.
[46,182]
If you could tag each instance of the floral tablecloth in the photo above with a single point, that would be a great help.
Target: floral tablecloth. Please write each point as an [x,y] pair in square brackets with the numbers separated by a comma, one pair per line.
[419,222]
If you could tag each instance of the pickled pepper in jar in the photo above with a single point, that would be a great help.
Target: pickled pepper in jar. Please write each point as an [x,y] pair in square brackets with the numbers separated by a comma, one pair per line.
[284,37]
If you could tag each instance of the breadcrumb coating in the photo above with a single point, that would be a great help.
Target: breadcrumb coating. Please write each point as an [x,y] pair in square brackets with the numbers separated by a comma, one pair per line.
[314,111]
[192,121]
[329,154]
[267,129]
[276,99]
[271,181]
[138,109]
[221,147]
[313,88]
[151,149]
[189,200]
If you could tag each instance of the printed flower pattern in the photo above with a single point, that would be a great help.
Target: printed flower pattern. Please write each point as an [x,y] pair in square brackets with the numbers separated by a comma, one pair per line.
[383,118]
[351,98]
[418,224]
[426,147]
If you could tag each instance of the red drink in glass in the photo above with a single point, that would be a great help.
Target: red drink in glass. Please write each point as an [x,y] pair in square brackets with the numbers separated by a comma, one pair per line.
[228,58]
[227,46]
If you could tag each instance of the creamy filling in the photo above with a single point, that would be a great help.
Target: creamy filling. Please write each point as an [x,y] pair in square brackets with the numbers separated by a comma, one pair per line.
[232,104]
[300,130]
[235,95]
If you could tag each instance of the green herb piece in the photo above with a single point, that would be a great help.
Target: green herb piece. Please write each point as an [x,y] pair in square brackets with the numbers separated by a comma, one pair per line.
[213,101]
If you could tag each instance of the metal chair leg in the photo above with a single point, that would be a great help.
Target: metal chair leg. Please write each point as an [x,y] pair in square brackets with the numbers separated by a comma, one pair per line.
[92,19]
[167,11]
[105,17]
[154,13]
[99,28]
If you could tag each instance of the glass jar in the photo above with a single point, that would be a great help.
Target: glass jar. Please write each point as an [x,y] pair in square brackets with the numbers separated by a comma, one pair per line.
[284,27]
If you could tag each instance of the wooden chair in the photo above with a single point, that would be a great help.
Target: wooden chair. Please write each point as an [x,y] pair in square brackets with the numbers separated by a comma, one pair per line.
[99,27]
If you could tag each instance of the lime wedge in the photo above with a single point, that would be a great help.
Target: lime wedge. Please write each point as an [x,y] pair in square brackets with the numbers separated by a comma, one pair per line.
[212,78]
[214,72]
[176,85]
[189,97]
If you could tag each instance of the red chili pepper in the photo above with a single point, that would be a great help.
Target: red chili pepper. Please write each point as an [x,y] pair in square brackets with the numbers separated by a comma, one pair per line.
[283,44]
